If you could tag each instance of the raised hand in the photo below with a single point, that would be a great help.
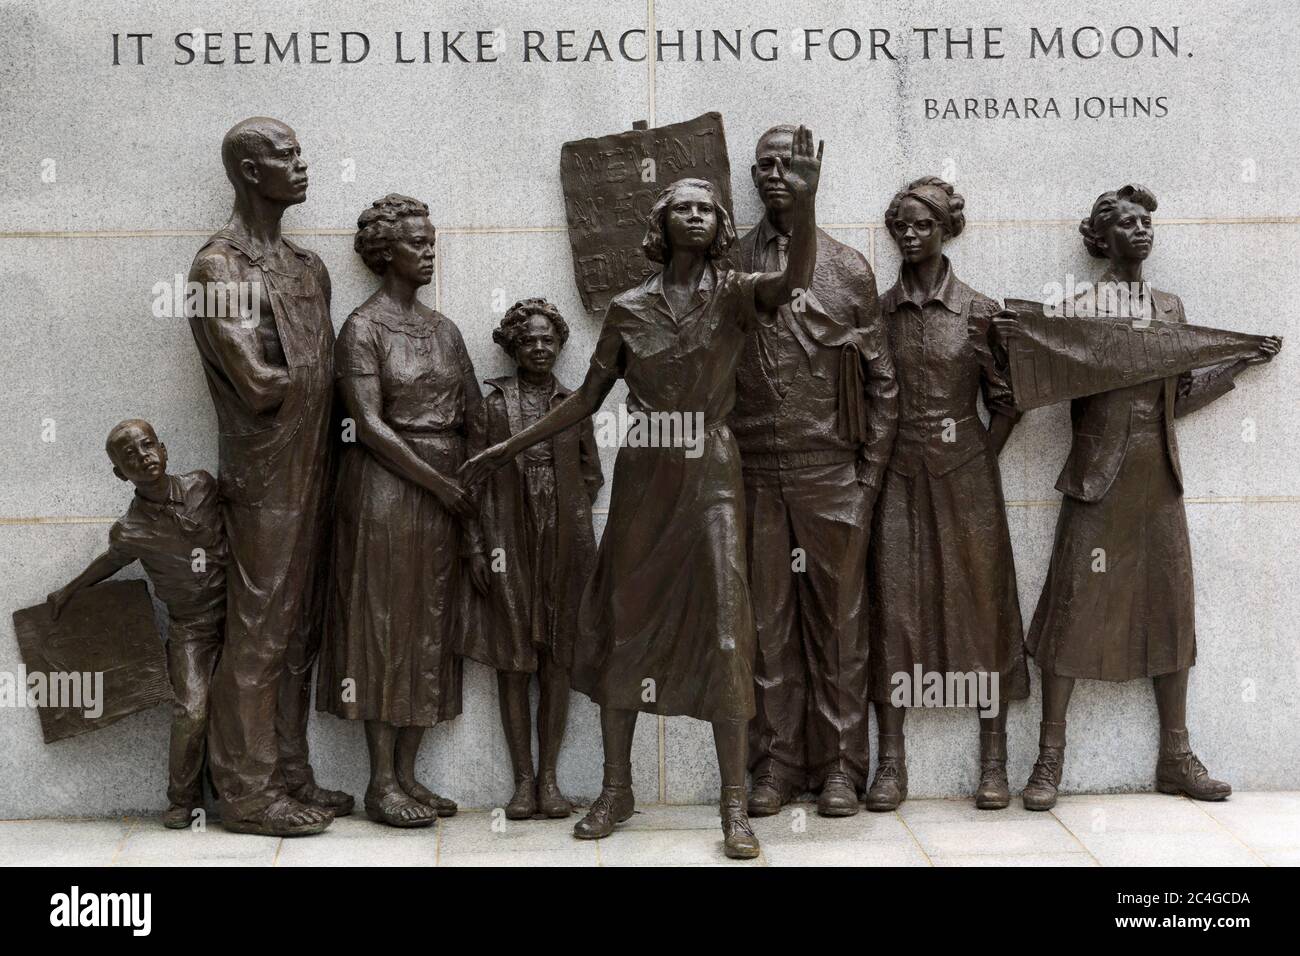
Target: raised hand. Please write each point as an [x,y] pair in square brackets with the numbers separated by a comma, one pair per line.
[805,167]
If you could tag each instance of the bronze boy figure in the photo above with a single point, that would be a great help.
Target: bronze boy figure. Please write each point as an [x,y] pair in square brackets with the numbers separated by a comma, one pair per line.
[271,376]
[1123,502]
[666,624]
[406,538]
[173,527]
[814,440]
[536,518]
[941,571]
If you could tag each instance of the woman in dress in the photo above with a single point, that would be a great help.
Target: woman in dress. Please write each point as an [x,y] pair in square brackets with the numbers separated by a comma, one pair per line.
[666,625]
[405,532]
[1132,616]
[536,521]
[940,567]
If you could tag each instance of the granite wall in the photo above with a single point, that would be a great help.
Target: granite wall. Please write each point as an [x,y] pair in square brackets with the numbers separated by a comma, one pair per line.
[110,178]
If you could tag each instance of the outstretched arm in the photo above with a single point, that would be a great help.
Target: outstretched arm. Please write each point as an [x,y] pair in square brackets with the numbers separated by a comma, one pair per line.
[583,403]
[1196,391]
[775,289]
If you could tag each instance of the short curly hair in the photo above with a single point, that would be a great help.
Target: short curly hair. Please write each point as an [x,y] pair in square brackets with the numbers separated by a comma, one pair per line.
[377,227]
[931,191]
[512,324]
[1105,209]
[655,243]
[116,432]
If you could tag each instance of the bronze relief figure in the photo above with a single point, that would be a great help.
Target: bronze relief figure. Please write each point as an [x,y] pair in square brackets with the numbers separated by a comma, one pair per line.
[407,539]
[173,527]
[271,377]
[816,408]
[537,533]
[666,623]
[1118,602]
[940,570]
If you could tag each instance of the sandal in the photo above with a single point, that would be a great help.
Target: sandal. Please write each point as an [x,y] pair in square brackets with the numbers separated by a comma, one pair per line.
[398,810]
[285,817]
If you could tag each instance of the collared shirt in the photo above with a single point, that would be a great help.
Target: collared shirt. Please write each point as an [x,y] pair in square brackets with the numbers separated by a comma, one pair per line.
[941,353]
[181,543]
[791,395]
[678,363]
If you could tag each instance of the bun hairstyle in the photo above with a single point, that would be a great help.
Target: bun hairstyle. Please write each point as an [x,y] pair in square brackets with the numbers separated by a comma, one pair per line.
[507,333]
[377,228]
[1103,214]
[939,196]
[655,243]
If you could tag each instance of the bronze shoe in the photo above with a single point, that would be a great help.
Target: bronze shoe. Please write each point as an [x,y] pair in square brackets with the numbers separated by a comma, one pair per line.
[523,804]
[1045,779]
[178,816]
[1179,771]
[889,789]
[738,839]
[614,805]
[993,792]
[551,802]
[769,794]
[839,797]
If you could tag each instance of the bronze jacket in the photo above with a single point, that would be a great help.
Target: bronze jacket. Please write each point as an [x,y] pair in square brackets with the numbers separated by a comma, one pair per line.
[1102,423]
[840,348]
[943,360]
[577,479]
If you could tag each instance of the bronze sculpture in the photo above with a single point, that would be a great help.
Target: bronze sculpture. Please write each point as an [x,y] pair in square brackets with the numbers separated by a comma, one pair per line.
[174,528]
[270,374]
[406,536]
[940,571]
[1132,615]
[816,409]
[537,530]
[666,624]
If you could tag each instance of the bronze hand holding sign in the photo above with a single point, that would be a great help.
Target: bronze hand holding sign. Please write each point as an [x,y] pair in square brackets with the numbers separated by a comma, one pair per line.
[175,530]
[666,624]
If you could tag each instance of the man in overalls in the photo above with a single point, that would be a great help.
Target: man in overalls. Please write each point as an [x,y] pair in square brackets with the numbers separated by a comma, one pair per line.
[269,366]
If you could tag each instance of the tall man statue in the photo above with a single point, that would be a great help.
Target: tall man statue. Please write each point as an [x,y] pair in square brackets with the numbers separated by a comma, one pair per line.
[815,416]
[270,370]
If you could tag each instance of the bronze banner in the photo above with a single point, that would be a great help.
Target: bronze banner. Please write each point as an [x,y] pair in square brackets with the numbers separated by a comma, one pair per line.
[610,184]
[1055,359]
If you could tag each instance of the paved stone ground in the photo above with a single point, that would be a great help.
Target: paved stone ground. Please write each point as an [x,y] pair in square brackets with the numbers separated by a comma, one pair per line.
[1251,829]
